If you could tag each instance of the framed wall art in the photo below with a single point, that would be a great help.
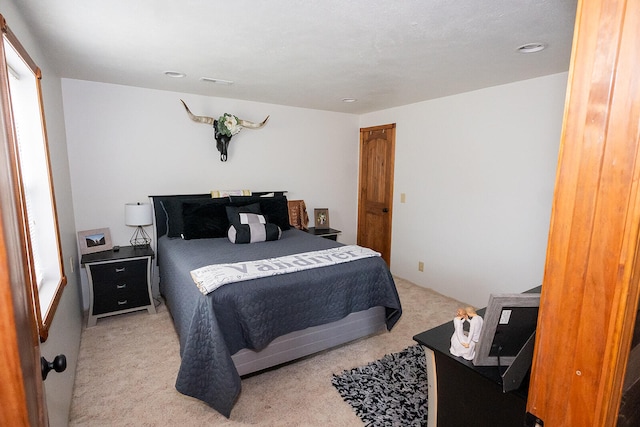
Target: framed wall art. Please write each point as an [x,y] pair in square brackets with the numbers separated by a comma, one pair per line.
[321,218]
[96,240]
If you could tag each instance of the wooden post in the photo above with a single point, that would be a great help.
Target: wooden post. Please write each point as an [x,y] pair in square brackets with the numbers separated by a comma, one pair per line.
[590,287]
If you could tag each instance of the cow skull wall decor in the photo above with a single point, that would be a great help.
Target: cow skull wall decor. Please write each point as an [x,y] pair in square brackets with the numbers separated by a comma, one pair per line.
[224,128]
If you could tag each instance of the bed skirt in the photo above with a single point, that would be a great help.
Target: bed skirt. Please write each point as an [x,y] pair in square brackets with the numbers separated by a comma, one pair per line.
[302,343]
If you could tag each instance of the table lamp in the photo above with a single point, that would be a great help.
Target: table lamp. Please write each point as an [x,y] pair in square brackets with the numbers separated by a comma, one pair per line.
[137,215]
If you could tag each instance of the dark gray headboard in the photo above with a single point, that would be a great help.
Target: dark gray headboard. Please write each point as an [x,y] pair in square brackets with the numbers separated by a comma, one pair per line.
[160,217]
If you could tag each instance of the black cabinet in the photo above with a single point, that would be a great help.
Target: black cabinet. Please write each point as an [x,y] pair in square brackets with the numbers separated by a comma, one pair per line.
[119,282]
[461,393]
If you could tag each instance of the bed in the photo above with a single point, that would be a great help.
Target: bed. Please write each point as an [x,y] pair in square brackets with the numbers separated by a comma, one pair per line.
[244,327]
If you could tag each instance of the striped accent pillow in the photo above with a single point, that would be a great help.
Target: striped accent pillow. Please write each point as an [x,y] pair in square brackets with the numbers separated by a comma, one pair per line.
[254,232]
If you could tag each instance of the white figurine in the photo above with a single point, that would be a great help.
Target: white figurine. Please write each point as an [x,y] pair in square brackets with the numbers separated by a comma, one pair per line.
[458,338]
[475,326]
[463,344]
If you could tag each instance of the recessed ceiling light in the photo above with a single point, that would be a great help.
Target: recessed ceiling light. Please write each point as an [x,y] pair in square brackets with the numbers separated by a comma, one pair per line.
[175,74]
[532,47]
[216,81]
[347,100]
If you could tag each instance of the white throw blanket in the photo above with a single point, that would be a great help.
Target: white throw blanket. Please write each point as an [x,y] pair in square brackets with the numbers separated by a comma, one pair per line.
[211,277]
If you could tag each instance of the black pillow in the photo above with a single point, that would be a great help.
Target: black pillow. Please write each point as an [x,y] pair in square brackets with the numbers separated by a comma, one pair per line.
[275,208]
[252,233]
[204,220]
[173,211]
[234,211]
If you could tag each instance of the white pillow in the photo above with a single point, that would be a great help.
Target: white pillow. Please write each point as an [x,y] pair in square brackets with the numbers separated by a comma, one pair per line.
[251,218]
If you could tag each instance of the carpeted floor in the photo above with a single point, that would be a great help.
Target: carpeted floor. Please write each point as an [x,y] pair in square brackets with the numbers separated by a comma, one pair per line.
[128,364]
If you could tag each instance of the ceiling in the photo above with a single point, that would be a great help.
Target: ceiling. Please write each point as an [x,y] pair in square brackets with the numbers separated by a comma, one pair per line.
[308,54]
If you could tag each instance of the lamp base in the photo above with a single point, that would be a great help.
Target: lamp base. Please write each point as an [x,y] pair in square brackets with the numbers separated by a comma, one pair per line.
[140,238]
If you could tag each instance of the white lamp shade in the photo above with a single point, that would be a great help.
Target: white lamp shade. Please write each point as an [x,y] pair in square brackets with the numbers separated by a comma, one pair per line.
[137,214]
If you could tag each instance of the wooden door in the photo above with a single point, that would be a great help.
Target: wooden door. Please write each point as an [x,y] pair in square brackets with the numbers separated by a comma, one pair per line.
[21,388]
[375,199]
[591,281]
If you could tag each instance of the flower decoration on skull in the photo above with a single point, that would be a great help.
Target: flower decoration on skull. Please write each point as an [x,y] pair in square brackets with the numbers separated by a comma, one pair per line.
[224,128]
[228,124]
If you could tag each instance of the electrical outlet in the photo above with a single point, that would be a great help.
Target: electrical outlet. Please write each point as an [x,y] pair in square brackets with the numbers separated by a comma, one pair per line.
[420,266]
[71,264]
[403,198]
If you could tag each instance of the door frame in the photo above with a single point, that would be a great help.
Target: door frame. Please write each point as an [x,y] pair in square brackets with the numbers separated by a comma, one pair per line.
[591,283]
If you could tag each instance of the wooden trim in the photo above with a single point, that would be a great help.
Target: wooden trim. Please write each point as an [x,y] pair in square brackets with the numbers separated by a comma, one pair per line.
[22,391]
[380,127]
[12,393]
[19,48]
[44,319]
[590,287]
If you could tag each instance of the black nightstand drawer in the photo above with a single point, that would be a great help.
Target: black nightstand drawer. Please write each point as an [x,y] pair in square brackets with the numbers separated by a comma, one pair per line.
[115,276]
[122,299]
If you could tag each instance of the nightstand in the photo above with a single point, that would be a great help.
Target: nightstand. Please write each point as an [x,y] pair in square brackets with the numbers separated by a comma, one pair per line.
[327,233]
[119,282]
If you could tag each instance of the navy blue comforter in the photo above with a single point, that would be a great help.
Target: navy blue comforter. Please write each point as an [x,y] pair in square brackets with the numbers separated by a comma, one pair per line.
[251,314]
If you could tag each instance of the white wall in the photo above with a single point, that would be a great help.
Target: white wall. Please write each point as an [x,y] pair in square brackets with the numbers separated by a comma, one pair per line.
[478,171]
[64,334]
[127,143]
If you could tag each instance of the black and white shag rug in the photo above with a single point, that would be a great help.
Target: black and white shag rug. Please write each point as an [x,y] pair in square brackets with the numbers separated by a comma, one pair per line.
[391,391]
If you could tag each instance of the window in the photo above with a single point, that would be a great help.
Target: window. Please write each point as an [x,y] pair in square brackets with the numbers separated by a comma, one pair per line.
[34,194]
